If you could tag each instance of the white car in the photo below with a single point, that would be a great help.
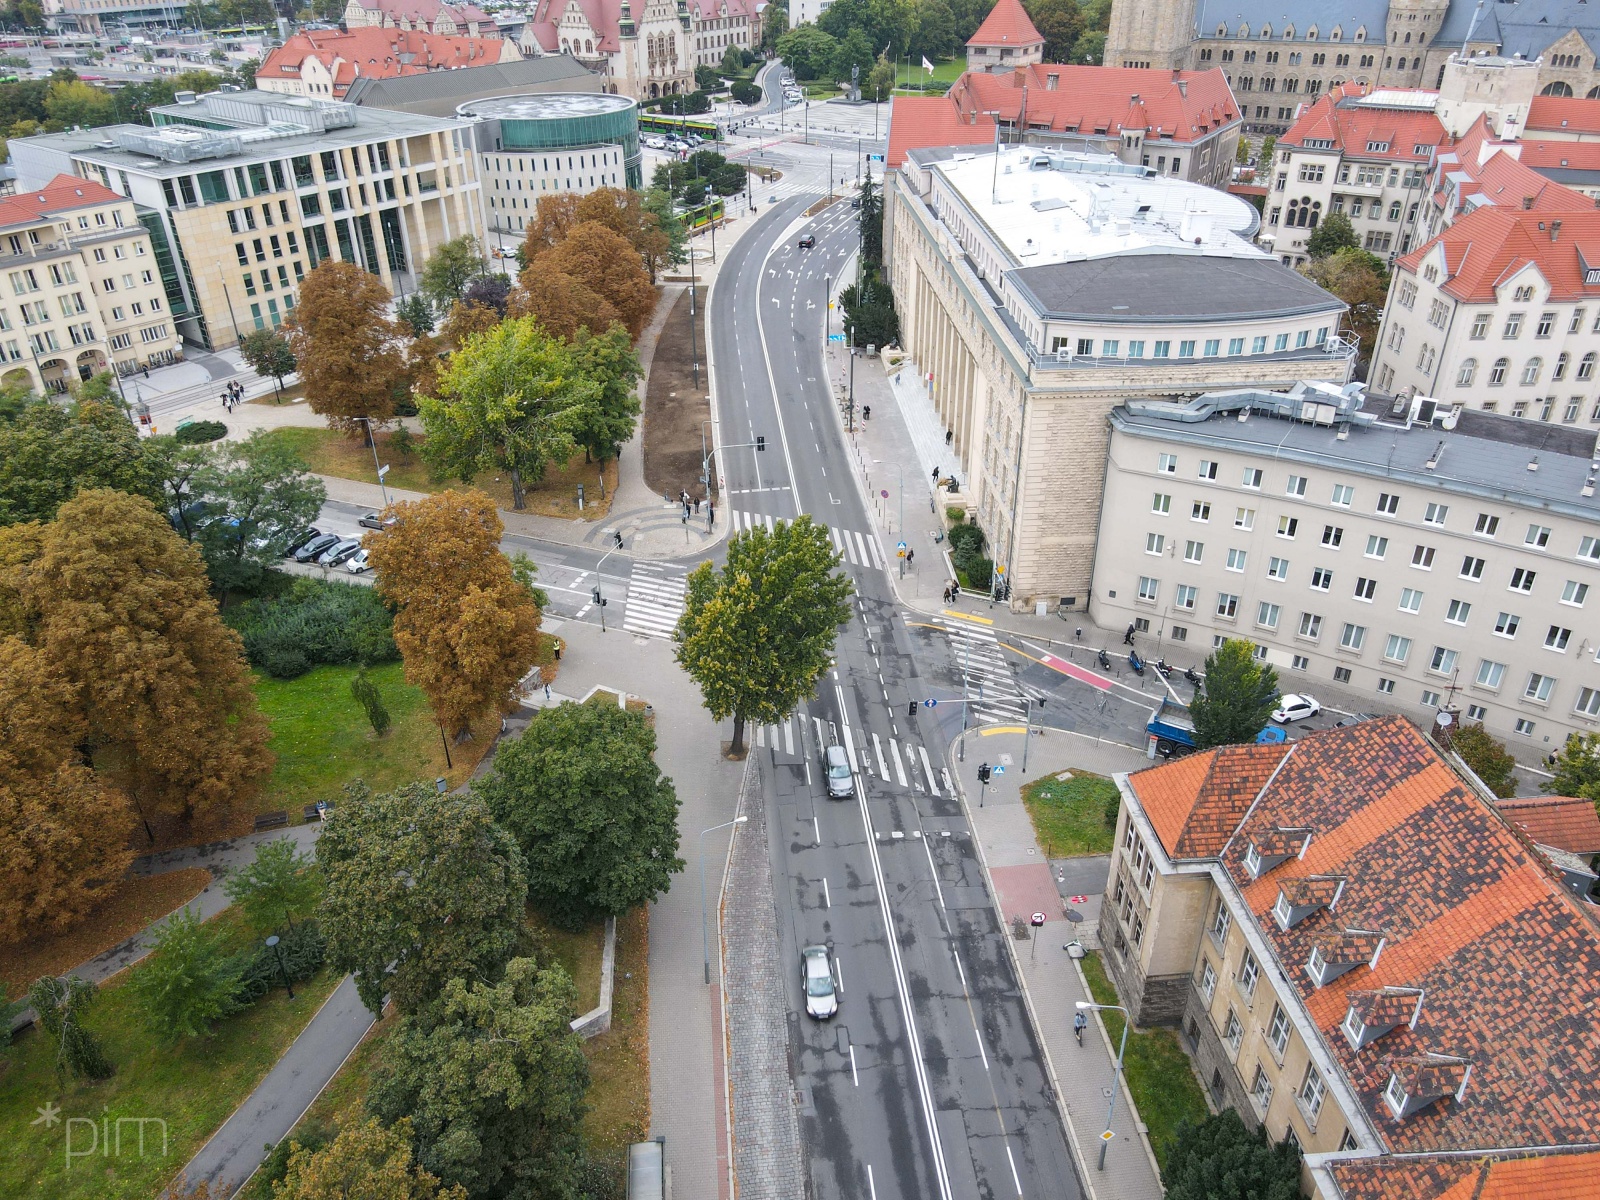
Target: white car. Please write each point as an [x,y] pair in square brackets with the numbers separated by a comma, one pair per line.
[1295,708]
[358,563]
[656,143]
[816,980]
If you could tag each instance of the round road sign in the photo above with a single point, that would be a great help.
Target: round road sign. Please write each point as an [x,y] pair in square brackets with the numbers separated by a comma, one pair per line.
[884,493]
[1038,919]
[929,702]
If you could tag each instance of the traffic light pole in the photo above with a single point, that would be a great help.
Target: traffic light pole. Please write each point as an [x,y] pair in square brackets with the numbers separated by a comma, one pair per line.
[599,599]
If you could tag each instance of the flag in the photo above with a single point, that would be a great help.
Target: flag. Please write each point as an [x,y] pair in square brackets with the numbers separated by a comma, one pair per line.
[926,65]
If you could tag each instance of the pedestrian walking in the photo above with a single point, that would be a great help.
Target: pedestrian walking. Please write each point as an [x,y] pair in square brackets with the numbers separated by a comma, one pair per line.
[1079,1023]
[547,693]
[949,436]
[147,370]
[697,506]
[1127,638]
[936,477]
[910,555]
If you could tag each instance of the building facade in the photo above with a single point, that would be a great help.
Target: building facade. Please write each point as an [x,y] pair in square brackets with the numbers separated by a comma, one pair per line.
[1439,559]
[326,64]
[1303,914]
[1274,58]
[243,193]
[423,16]
[538,145]
[1037,291]
[1005,41]
[82,294]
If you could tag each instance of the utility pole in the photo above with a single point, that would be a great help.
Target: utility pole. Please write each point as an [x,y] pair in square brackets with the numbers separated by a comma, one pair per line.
[850,347]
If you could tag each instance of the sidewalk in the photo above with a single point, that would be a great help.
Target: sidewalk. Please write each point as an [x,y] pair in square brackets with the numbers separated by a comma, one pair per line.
[1022,883]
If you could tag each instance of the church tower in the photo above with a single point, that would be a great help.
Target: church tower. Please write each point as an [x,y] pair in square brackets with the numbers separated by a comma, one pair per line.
[1147,34]
[1409,33]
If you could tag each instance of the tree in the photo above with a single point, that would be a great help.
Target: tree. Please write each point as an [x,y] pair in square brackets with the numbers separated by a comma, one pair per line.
[1269,145]
[420,889]
[595,818]
[366,694]
[416,314]
[350,353]
[188,982]
[732,61]
[1219,1159]
[467,631]
[452,267]
[512,399]
[78,103]
[1334,233]
[667,244]
[706,78]
[279,885]
[60,1005]
[48,453]
[553,218]
[774,22]
[744,93]
[62,834]
[1242,152]
[560,304]
[1576,768]
[1361,281]
[871,222]
[123,611]
[1487,757]
[365,1162]
[259,494]
[854,53]
[175,469]
[808,51]
[1061,23]
[603,260]
[933,31]
[488,291]
[607,360]
[268,353]
[880,80]
[1236,700]
[1090,48]
[758,634]
[495,1088]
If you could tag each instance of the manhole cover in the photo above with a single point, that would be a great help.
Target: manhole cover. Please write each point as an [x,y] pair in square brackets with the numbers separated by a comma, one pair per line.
[1074,915]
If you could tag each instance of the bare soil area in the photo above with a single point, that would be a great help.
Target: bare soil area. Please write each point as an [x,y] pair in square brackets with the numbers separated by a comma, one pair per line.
[674,406]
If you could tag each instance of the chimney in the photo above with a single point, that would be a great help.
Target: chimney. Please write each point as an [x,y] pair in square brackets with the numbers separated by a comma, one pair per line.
[1183,88]
[1555,230]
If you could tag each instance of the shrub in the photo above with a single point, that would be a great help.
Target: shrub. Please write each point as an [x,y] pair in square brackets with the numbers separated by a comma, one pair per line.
[196,432]
[1488,759]
[312,624]
[302,947]
[310,1135]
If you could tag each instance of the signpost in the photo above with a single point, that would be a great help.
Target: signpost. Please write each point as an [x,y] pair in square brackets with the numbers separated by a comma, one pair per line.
[1037,920]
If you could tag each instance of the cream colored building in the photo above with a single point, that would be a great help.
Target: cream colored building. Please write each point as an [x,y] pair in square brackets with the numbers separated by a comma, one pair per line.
[81,293]
[1037,293]
[243,193]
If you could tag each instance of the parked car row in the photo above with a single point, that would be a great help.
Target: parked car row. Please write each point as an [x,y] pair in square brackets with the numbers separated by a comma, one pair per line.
[313,547]
[675,144]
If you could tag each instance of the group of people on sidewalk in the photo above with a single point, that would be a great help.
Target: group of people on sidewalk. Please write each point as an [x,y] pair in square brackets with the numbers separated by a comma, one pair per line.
[232,395]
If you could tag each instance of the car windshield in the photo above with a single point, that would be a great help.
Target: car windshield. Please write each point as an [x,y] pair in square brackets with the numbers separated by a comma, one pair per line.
[838,771]
[818,985]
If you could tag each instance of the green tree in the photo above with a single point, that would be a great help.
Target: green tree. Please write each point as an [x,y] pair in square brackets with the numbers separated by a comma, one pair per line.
[1219,1159]
[854,52]
[1242,153]
[774,24]
[77,103]
[453,266]
[1090,48]
[732,61]
[268,353]
[1487,757]
[1061,23]
[871,197]
[513,399]
[1237,698]
[494,1089]
[869,313]
[880,81]
[1333,234]
[259,494]
[188,982]
[1361,280]
[808,52]
[367,1161]
[932,31]
[744,92]
[706,78]
[608,361]
[1576,768]
[1269,146]
[758,634]
[49,453]
[595,818]
[670,244]
[366,694]
[174,470]
[278,886]
[420,889]
[60,1005]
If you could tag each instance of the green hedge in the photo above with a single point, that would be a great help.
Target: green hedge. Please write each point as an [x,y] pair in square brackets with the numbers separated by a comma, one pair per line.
[312,624]
[966,552]
[196,432]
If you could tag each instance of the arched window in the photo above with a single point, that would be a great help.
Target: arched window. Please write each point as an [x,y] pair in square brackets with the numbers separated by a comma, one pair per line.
[1388,61]
[1586,366]
[1401,65]
[1394,210]
[1557,89]
[1468,370]
[1560,372]
[1530,373]
[1497,373]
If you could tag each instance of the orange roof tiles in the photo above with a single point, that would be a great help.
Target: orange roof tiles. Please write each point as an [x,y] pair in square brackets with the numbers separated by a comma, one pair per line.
[1195,803]
[1558,1175]
[918,121]
[378,53]
[1180,105]
[1364,131]
[1006,25]
[1486,248]
[1566,822]
[64,193]
[1563,113]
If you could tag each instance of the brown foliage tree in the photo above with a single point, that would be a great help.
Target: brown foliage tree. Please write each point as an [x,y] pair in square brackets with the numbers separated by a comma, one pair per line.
[63,836]
[466,319]
[560,304]
[19,546]
[351,354]
[467,630]
[366,1161]
[553,219]
[603,260]
[125,612]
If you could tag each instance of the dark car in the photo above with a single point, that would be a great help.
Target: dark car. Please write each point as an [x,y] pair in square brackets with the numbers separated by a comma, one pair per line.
[808,241]
[339,552]
[375,520]
[314,549]
[855,202]
[300,539]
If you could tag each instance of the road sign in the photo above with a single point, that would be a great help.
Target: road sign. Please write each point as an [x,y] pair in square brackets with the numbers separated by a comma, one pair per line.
[1037,919]
[836,337]
[929,702]
[1108,1136]
[900,545]
[874,158]
[383,470]
[884,493]
[999,770]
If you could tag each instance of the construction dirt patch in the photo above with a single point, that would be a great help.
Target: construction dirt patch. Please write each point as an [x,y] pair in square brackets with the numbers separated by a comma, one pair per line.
[674,406]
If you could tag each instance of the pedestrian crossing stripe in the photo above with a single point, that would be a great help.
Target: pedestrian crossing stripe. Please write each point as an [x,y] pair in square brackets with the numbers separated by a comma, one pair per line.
[655,600]
[992,688]
[857,549]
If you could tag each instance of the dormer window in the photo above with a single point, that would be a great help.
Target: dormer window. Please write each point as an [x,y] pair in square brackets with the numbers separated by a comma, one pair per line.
[1281,911]
[1395,1095]
[1353,1028]
[1336,952]
[1273,846]
[1316,965]
[1374,1013]
[1252,861]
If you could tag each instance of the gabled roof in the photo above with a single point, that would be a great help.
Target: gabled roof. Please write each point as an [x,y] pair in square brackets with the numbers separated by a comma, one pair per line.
[1180,105]
[1509,962]
[1196,803]
[63,194]
[1006,25]
[1568,823]
[1365,130]
[427,11]
[1504,178]
[604,18]
[1562,114]
[1535,1175]
[919,121]
[374,52]
[1485,248]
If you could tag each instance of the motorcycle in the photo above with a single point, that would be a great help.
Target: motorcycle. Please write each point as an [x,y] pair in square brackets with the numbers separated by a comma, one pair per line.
[1192,676]
[1104,660]
[1166,671]
[1136,662]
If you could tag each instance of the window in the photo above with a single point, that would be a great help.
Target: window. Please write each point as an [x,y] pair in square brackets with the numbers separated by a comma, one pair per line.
[1422,558]
[1522,579]
[1457,613]
[1586,366]
[1208,469]
[1574,593]
[1524,727]
[1410,600]
[1377,547]
[1538,535]
[1464,375]
[1208,980]
[1220,924]
[1200,510]
[1161,503]
[1278,1030]
[1539,688]
[1435,514]
[1252,477]
[1258,345]
[1321,579]
[1236,560]
[1343,495]
[1244,518]
[1497,373]
[1193,551]
[1556,638]
[1513,326]
[1486,525]
[1352,637]
[1236,345]
[1589,547]
[1588,702]
[1332,536]
[1506,624]
[1546,323]
[1185,596]
[1443,661]
[1490,674]
[1397,649]
[1288,526]
[1249,972]
[1312,1090]
[1388,504]
[1261,1090]
[1154,543]
[1297,486]
[1471,568]
[1167,463]
[1267,615]
[1227,605]
[1278,568]
[1310,626]
[1366,588]
[1233,1031]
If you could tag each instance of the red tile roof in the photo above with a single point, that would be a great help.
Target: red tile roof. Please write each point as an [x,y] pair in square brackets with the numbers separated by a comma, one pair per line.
[1103,99]
[1568,823]
[374,52]
[1563,113]
[1487,247]
[64,193]
[919,121]
[1508,962]
[1195,804]
[1549,1175]
[1579,156]
[1357,129]
[1006,25]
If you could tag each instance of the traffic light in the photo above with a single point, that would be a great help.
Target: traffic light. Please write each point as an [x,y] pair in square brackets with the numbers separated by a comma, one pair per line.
[761,444]
[911,709]
[983,773]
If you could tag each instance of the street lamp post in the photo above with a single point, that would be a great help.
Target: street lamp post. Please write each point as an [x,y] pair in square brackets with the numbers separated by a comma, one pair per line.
[272,944]
[705,942]
[1116,1074]
[599,599]
[372,440]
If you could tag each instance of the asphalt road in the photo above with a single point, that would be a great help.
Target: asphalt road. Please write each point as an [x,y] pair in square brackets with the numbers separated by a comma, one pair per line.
[929,1082]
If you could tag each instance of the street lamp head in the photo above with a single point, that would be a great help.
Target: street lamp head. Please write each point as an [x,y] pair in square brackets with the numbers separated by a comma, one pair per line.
[740,820]
[272,941]
[1086,1004]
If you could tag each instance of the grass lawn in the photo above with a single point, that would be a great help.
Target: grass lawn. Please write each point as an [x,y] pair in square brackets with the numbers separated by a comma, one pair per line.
[1158,1072]
[1069,815]
[192,1086]
[322,739]
[556,495]
[580,954]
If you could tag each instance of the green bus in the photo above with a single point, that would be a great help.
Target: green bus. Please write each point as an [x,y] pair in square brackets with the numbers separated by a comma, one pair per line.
[678,126]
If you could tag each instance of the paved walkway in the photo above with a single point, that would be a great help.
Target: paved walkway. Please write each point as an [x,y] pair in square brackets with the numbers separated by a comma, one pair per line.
[1024,882]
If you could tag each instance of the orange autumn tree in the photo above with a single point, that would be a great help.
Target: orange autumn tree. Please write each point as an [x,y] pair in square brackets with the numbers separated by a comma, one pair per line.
[603,261]
[351,354]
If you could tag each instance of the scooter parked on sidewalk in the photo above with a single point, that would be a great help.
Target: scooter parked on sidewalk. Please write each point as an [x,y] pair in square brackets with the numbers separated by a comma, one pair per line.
[1192,676]
[1104,660]
[1136,662]
[1166,671]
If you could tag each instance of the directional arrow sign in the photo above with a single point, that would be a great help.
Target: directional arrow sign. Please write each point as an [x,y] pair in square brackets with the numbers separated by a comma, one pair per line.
[929,703]
[836,337]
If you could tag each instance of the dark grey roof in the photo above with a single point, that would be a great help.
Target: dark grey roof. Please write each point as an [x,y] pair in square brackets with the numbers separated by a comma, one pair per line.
[1349,16]
[1523,27]
[438,93]
[1172,287]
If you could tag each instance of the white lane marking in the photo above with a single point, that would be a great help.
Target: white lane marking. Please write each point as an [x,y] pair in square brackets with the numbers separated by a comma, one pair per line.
[1014,1177]
[959,971]
[899,769]
[927,769]
[870,1187]
[827,899]
[861,548]
[850,749]
[853,1074]
[788,738]
[934,873]
[982,1053]
[883,767]
[838,973]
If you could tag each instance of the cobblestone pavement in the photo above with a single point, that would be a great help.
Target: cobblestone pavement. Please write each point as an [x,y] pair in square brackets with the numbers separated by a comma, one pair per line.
[767,1158]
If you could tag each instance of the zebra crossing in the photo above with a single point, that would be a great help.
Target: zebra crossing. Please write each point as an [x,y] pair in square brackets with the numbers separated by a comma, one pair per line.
[655,599]
[857,549]
[904,764]
[993,689]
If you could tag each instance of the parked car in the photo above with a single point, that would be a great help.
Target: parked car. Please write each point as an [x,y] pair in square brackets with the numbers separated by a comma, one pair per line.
[1295,708]
[315,548]
[808,241]
[339,553]
[300,539]
[375,520]
[655,143]
[816,980]
[358,562]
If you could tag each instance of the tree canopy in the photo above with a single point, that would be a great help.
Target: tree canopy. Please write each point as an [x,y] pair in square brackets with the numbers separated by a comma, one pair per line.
[1219,1159]
[1359,279]
[367,1161]
[258,494]
[1236,700]
[604,261]
[1334,233]
[1576,768]
[350,352]
[448,272]
[757,634]
[280,884]
[420,889]
[268,353]
[188,982]
[595,818]
[1487,757]
[49,452]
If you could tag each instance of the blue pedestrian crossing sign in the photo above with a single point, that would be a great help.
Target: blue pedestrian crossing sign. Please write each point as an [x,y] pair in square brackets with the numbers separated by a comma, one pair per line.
[998,770]
[929,702]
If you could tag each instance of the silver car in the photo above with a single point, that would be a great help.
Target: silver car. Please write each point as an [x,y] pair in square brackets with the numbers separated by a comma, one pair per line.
[816,980]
